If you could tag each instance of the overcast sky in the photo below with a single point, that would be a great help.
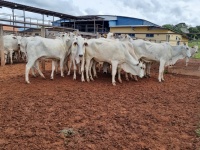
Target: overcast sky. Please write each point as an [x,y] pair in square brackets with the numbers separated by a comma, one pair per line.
[157,11]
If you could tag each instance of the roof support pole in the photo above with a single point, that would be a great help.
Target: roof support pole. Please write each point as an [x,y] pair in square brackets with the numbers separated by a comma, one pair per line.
[13,15]
[43,19]
[43,35]
[2,46]
[24,20]
[94,26]
[102,27]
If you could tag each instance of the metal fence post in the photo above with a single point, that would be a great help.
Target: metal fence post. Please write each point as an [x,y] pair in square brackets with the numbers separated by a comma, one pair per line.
[43,35]
[2,46]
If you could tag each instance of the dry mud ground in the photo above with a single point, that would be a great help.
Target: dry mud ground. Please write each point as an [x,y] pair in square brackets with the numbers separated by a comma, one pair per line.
[143,115]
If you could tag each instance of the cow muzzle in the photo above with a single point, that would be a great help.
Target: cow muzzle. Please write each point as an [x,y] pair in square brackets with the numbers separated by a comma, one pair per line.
[80,55]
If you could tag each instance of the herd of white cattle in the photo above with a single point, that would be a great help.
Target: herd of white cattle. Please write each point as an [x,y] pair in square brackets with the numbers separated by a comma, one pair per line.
[123,53]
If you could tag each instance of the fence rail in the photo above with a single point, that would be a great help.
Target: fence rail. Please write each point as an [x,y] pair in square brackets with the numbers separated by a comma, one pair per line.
[23,21]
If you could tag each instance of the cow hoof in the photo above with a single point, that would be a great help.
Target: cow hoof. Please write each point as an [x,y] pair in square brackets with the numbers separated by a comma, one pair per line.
[74,78]
[88,80]
[83,80]
[51,78]
[91,79]
[95,76]
[63,76]
[114,84]
[28,82]
[68,73]
[120,81]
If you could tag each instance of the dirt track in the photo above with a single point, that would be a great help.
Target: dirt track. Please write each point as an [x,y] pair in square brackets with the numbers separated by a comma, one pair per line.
[143,115]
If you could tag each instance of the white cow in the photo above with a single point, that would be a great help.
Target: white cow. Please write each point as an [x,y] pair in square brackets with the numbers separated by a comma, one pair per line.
[114,52]
[11,44]
[23,46]
[193,51]
[160,52]
[47,48]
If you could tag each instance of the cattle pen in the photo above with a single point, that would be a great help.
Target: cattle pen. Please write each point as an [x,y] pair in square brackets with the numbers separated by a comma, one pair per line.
[67,114]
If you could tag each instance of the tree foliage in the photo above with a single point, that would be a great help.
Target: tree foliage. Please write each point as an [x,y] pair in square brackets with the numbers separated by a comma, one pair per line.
[177,28]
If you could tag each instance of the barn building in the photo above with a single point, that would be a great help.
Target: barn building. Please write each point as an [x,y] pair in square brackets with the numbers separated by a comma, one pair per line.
[135,27]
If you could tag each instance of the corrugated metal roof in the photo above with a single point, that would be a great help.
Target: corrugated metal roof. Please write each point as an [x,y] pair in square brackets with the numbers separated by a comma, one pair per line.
[12,5]
[135,26]
[35,10]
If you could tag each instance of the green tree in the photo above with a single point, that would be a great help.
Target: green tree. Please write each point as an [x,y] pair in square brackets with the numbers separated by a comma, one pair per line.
[193,30]
[168,26]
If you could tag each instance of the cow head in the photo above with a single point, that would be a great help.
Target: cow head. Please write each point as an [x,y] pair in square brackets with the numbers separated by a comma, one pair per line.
[186,51]
[82,43]
[18,38]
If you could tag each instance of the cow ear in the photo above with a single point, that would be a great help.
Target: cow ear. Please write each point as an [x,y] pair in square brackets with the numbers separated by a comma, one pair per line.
[14,37]
[86,44]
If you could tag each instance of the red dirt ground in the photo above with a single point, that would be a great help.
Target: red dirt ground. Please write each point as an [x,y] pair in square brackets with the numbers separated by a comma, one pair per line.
[143,115]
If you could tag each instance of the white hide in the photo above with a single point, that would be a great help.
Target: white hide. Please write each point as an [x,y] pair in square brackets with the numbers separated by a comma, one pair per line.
[114,52]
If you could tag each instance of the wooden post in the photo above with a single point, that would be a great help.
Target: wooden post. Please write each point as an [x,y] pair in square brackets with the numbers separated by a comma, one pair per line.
[2,46]
[43,35]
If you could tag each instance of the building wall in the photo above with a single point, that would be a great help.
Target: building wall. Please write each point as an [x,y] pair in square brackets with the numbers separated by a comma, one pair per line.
[9,30]
[128,21]
[160,35]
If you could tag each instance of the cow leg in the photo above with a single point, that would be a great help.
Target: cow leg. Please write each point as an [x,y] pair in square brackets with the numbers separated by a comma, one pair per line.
[90,70]
[56,64]
[99,67]
[33,72]
[53,69]
[87,65]
[161,70]
[82,69]
[38,69]
[131,76]
[61,67]
[126,76]
[75,68]
[187,60]
[66,65]
[94,69]
[114,71]
[135,78]
[148,69]
[29,65]
[70,65]
[119,75]
[11,61]
[19,55]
